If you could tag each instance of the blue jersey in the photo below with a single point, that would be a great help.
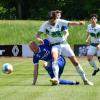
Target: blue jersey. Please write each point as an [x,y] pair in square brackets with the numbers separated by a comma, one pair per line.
[43,54]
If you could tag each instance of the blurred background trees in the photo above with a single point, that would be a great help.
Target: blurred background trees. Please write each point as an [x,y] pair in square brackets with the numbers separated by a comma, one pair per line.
[38,9]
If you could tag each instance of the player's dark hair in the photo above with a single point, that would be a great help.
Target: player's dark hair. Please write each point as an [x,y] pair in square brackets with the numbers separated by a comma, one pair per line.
[94,15]
[52,15]
[58,11]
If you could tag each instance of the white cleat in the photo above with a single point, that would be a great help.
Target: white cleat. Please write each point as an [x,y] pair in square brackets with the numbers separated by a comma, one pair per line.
[54,81]
[86,82]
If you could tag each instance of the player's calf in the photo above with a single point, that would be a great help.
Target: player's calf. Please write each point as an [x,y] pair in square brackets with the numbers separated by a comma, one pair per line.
[99,59]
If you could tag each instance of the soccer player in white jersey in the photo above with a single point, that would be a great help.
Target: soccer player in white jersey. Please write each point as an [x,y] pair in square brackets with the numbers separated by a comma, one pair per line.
[54,28]
[93,40]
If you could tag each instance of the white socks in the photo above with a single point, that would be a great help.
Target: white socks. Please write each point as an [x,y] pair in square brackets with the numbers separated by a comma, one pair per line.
[81,72]
[55,68]
[93,64]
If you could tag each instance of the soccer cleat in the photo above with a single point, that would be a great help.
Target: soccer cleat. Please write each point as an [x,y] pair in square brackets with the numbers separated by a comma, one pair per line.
[77,83]
[95,72]
[54,81]
[86,82]
[55,84]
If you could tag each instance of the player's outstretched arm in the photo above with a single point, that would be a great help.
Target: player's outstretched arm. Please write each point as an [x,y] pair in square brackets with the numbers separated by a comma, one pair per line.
[38,37]
[72,23]
[35,74]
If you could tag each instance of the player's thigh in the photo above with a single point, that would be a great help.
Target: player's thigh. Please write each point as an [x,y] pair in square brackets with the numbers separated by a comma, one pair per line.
[66,50]
[56,50]
[91,51]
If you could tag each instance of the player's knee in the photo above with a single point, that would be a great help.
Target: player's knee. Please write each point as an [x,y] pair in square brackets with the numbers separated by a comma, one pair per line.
[89,58]
[76,64]
[99,58]
[74,61]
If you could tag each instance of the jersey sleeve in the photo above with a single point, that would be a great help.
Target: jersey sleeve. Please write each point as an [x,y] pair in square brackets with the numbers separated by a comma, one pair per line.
[43,28]
[64,22]
[35,60]
[88,28]
[65,28]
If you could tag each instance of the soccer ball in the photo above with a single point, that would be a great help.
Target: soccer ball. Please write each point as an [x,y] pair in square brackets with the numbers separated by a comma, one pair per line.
[7,68]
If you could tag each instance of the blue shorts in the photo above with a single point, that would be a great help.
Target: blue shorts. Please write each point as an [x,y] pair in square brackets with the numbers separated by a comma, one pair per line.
[61,64]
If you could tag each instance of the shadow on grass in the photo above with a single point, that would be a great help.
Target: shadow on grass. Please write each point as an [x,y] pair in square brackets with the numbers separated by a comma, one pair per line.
[16,84]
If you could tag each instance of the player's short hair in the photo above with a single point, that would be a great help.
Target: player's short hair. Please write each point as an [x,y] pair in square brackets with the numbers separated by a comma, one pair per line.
[52,15]
[94,15]
[58,11]
[33,46]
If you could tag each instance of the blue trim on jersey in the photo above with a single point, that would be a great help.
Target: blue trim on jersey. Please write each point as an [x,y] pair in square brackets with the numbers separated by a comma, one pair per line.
[64,28]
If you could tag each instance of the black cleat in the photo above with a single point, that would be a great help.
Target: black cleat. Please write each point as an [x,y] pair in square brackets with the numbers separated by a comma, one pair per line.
[95,72]
[77,83]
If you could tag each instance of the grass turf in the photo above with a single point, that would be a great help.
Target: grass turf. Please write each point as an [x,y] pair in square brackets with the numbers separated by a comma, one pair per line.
[18,85]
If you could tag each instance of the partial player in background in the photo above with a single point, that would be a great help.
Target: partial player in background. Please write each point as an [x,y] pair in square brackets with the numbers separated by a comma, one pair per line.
[54,28]
[93,40]
[43,52]
[59,12]
[65,28]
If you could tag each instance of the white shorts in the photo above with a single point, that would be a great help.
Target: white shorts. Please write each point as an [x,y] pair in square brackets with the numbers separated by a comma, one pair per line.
[63,49]
[92,50]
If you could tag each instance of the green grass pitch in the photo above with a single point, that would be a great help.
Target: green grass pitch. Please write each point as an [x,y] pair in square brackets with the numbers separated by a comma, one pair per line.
[18,85]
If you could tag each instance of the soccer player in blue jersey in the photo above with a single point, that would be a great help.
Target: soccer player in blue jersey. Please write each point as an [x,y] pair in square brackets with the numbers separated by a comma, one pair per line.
[43,52]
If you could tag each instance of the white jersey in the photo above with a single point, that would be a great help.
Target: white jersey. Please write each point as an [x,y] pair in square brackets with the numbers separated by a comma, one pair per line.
[56,32]
[94,33]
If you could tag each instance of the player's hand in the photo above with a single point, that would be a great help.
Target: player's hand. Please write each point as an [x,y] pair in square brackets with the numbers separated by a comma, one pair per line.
[87,42]
[82,22]
[41,41]
[98,47]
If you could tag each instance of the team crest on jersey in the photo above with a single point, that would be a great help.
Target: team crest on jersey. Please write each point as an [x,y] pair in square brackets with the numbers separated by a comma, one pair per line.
[95,30]
[50,27]
[57,26]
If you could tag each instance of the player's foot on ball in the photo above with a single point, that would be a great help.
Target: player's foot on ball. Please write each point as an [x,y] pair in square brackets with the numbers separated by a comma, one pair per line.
[86,82]
[54,81]
[95,72]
